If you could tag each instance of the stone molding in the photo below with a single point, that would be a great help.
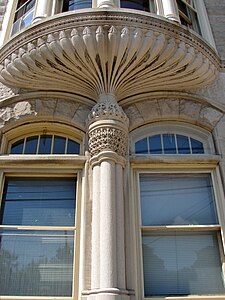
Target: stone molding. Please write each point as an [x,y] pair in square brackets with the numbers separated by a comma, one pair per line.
[81,49]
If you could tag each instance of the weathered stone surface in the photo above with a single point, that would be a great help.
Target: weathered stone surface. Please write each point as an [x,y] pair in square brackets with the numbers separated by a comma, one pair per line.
[81,115]
[149,110]
[133,115]
[190,109]
[216,91]
[5,92]
[169,107]
[210,116]
[16,112]
[46,107]
[216,12]
[65,109]
[175,109]
[3,4]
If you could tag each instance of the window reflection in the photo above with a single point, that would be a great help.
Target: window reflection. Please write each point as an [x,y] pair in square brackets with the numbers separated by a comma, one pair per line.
[45,144]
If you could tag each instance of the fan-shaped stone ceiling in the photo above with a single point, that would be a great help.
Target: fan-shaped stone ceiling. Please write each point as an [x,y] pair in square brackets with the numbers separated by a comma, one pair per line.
[118,52]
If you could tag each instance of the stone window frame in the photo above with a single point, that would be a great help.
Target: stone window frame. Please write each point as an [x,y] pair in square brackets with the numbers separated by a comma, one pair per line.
[27,167]
[182,128]
[27,130]
[169,166]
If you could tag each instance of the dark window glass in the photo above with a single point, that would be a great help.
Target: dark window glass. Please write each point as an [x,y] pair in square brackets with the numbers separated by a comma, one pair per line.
[39,202]
[59,145]
[76,4]
[73,147]
[31,145]
[155,144]
[169,144]
[141,147]
[183,144]
[45,144]
[17,147]
[177,199]
[197,147]
[136,4]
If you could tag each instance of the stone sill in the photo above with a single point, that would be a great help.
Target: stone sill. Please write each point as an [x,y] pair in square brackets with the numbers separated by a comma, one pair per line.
[202,160]
[71,162]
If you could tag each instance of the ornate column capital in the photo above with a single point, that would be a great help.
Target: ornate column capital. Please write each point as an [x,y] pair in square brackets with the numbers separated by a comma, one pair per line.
[108,127]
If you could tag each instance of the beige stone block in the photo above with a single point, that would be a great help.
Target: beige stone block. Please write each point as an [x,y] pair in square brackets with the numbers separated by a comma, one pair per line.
[81,115]
[134,116]
[210,116]
[65,109]
[190,109]
[46,107]
[149,110]
[169,107]
[216,91]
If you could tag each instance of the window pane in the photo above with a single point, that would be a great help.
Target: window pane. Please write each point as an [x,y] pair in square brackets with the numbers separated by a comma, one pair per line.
[17,148]
[155,144]
[31,145]
[27,19]
[197,147]
[135,4]
[59,145]
[39,202]
[45,144]
[183,144]
[76,4]
[73,147]
[177,264]
[169,144]
[36,263]
[176,199]
[141,147]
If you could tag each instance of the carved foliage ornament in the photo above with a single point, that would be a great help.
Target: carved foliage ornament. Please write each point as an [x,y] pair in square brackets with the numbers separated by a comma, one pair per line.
[107,108]
[108,138]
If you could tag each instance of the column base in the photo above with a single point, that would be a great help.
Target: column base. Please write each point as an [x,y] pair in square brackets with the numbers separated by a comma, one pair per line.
[106,294]
[106,297]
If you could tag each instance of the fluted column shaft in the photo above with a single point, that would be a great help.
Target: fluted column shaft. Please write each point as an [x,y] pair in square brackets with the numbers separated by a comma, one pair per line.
[106,3]
[170,10]
[108,134]
[43,9]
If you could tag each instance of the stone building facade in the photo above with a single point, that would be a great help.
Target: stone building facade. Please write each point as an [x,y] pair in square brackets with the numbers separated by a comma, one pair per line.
[112,165]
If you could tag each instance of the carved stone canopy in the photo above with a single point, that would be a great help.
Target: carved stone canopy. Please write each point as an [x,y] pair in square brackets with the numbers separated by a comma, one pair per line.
[107,51]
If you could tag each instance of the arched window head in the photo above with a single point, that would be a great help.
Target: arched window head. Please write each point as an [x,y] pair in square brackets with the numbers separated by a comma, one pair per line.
[43,138]
[45,144]
[171,139]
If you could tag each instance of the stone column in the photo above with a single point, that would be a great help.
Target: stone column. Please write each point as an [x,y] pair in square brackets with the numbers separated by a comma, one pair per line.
[170,10]
[108,138]
[106,3]
[43,9]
